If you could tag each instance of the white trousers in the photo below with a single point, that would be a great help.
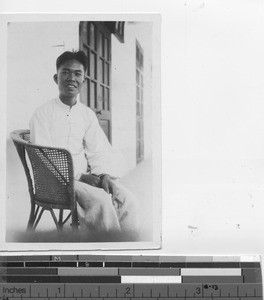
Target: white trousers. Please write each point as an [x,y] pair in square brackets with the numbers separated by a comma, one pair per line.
[97,212]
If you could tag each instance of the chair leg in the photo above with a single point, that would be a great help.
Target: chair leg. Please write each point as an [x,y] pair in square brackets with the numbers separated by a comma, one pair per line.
[32,217]
[55,219]
[36,213]
[75,221]
[39,216]
[35,217]
[67,218]
[61,218]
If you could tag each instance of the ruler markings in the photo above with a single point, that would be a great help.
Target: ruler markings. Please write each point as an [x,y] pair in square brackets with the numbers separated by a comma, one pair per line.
[218,279]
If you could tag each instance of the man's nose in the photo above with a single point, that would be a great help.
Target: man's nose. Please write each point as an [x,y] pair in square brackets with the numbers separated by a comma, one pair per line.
[71,76]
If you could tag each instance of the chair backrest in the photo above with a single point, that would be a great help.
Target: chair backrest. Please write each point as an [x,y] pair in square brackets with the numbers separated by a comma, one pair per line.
[52,183]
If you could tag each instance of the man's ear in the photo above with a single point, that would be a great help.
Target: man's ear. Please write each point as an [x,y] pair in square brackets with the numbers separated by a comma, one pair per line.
[55,78]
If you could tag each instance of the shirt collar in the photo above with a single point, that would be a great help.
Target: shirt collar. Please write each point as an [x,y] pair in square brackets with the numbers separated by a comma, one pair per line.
[65,106]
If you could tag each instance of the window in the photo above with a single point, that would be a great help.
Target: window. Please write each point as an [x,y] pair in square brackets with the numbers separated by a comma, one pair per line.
[95,41]
[139,103]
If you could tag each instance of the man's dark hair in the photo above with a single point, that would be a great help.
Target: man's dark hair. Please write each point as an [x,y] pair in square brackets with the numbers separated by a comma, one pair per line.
[68,55]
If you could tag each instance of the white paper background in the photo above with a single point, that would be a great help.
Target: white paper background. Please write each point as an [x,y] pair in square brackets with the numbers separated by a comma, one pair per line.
[212,118]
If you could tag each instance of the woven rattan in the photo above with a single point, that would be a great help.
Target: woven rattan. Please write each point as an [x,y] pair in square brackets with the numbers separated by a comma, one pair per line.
[49,173]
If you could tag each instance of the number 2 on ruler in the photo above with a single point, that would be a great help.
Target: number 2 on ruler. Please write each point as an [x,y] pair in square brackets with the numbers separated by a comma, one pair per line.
[128,290]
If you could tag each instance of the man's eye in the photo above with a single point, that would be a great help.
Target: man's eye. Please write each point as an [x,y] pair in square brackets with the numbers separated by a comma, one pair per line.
[65,72]
[78,74]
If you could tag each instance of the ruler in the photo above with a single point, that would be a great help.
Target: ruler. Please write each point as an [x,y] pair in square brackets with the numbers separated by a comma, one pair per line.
[129,277]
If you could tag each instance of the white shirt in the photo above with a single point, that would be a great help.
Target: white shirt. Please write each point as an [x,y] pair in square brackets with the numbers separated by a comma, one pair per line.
[76,129]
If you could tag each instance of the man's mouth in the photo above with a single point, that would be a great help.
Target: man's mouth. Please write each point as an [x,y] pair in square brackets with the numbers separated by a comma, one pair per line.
[70,86]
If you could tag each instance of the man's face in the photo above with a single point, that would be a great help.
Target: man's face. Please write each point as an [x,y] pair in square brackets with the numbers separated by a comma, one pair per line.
[70,78]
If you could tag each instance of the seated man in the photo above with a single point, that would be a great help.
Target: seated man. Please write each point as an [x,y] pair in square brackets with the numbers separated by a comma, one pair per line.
[104,205]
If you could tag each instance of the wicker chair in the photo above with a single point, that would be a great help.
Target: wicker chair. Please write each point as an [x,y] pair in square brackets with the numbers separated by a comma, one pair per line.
[50,180]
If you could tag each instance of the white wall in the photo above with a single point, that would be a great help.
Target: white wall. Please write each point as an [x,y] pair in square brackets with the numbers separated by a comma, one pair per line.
[124,89]
[32,52]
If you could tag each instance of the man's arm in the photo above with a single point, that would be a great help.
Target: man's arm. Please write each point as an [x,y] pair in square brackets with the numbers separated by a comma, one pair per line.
[90,179]
[108,185]
[100,155]
[104,162]
[103,181]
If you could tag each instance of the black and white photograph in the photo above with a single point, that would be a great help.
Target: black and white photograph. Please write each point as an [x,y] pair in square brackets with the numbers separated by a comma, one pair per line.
[83,161]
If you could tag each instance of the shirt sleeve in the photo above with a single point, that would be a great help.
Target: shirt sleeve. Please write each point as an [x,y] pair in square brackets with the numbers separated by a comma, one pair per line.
[39,125]
[101,156]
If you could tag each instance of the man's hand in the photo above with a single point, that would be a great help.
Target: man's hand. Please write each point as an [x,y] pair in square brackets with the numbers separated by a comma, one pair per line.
[108,185]
[90,179]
